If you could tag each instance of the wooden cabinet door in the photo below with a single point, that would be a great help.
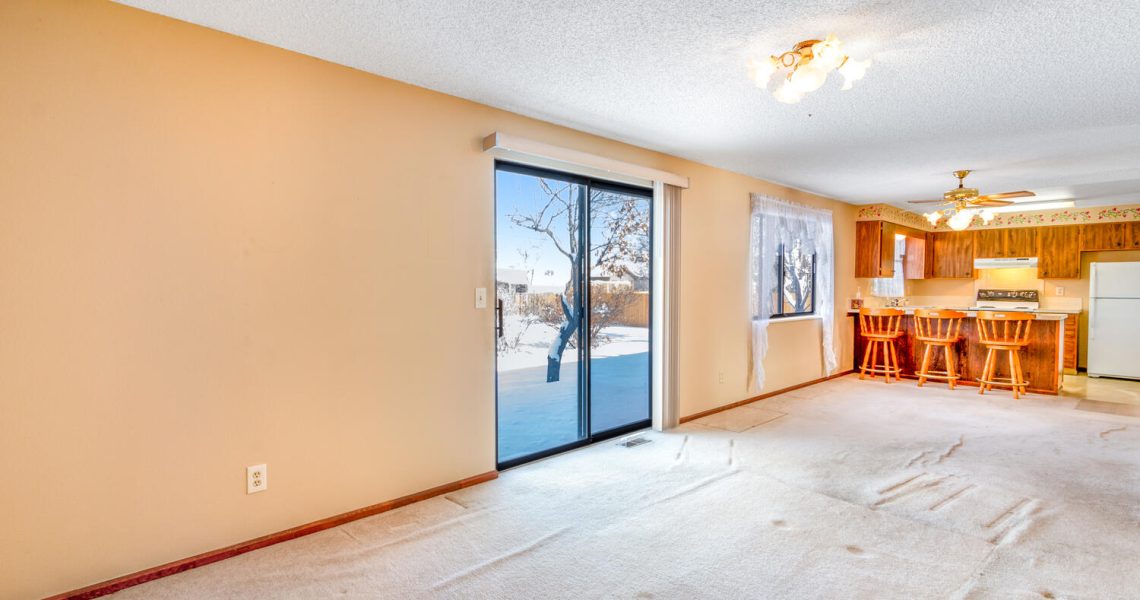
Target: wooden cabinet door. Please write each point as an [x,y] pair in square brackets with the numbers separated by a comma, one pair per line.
[914,267]
[887,250]
[1020,242]
[989,243]
[1134,235]
[954,254]
[868,243]
[1104,236]
[1069,355]
[1059,252]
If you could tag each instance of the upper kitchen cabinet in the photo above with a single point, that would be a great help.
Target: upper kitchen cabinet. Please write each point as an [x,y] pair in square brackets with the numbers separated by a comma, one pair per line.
[1005,243]
[1020,241]
[874,249]
[1105,236]
[1134,235]
[953,254]
[1059,252]
[915,263]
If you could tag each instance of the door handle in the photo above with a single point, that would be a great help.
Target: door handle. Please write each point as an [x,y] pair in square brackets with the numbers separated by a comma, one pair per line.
[499,317]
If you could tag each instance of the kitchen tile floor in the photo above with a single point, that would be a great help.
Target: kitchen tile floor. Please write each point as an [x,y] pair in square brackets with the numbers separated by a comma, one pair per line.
[1112,396]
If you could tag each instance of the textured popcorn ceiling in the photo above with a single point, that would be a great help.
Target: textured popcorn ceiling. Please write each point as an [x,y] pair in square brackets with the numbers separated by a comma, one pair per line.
[1032,95]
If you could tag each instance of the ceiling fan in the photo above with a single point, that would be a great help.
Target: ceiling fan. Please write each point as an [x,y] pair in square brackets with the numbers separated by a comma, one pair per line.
[962,203]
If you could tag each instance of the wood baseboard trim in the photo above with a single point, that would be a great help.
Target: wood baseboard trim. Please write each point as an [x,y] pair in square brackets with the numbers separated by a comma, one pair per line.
[713,411]
[119,583]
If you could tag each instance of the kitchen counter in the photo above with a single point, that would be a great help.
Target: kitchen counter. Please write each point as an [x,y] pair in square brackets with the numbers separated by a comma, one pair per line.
[1041,360]
[1043,314]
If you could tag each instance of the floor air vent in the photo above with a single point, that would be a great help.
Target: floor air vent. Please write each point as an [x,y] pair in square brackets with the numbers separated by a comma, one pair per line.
[633,440]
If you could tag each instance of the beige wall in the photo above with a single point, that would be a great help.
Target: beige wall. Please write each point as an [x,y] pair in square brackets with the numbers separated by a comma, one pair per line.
[215,253]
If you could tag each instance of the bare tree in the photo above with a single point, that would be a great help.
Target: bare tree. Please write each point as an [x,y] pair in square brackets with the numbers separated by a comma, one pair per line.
[619,246]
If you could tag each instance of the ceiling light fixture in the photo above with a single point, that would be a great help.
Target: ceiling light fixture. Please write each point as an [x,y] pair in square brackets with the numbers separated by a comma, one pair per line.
[807,64]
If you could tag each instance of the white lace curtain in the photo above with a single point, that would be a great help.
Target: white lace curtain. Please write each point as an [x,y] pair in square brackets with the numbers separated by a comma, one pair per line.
[778,223]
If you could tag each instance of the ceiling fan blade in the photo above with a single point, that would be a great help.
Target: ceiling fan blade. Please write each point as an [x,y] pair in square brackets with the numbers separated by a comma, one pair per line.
[1003,196]
[988,201]
[927,201]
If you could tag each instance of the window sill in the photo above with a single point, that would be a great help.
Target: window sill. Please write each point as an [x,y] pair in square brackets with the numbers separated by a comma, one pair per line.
[792,319]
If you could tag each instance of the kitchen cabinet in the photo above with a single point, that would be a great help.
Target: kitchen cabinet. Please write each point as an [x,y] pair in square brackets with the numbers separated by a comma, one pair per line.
[989,243]
[1005,243]
[1069,354]
[1134,235]
[914,265]
[874,249]
[1020,241]
[1105,236]
[953,254]
[1059,252]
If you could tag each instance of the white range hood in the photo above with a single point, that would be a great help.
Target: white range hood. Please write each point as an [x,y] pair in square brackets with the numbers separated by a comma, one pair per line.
[1028,262]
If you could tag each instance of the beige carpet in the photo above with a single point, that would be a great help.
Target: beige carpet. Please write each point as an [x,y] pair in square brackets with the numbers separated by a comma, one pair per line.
[848,489]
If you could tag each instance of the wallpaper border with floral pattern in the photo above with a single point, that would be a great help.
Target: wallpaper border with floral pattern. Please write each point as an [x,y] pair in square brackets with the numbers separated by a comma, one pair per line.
[1064,216]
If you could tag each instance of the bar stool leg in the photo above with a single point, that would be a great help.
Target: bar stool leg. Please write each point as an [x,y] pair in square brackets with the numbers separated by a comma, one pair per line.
[894,368]
[985,371]
[951,372]
[1013,374]
[1020,376]
[866,355]
[922,370]
[874,356]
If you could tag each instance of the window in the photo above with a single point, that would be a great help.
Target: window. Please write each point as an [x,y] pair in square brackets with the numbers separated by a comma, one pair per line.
[892,287]
[795,272]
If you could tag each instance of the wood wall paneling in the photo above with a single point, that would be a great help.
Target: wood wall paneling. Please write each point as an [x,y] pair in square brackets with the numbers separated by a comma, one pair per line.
[1059,252]
[1038,359]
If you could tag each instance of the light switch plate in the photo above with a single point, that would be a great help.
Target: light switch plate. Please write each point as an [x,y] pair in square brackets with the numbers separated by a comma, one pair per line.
[480,297]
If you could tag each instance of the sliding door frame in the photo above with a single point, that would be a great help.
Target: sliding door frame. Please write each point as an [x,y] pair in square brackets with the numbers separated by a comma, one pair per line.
[585,406]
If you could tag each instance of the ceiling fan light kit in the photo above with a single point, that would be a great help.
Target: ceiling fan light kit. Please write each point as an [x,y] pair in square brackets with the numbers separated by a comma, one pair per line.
[965,203]
[807,65]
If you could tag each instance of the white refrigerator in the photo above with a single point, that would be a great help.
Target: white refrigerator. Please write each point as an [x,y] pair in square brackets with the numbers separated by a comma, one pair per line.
[1114,320]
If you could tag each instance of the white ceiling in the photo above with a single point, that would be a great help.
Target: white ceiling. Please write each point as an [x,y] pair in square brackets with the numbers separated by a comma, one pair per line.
[1041,95]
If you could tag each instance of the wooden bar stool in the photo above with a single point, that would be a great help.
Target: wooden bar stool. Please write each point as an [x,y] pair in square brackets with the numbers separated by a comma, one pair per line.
[1009,331]
[880,327]
[938,328]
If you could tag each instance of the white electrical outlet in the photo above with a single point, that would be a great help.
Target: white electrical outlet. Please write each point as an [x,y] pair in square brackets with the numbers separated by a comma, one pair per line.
[720,377]
[1060,291]
[256,479]
[480,297]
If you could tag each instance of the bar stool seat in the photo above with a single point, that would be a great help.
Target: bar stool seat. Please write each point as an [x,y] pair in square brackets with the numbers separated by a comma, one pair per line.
[1002,331]
[880,327]
[938,328]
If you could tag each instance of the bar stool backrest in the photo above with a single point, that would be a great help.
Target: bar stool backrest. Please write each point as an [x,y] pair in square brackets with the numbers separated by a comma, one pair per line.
[880,321]
[937,324]
[1005,328]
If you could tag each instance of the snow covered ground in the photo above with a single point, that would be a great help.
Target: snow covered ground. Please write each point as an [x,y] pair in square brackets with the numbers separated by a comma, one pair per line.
[535,415]
[535,341]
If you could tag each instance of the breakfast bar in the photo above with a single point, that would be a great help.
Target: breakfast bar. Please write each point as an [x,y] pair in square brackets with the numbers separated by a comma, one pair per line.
[1041,360]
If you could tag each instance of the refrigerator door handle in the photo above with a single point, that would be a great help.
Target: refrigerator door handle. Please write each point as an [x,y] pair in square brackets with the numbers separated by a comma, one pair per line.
[1092,316]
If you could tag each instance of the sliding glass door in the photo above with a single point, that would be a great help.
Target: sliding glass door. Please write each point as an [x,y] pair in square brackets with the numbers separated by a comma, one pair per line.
[572,286]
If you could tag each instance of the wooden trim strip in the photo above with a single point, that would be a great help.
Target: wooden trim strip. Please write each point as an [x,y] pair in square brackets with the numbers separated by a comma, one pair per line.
[119,583]
[713,411]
